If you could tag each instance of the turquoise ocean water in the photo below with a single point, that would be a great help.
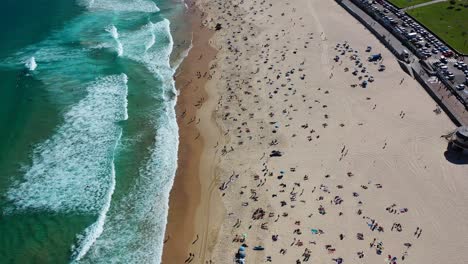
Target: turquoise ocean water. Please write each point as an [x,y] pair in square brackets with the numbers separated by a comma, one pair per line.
[88,135]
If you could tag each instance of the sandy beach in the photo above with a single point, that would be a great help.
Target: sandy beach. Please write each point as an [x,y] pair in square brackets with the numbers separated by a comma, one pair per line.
[185,194]
[282,148]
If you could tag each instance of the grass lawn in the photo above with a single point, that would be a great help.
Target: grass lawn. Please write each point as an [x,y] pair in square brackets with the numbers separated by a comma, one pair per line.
[406,3]
[449,22]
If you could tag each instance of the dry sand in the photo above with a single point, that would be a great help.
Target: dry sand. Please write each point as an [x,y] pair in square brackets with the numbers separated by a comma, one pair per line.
[353,160]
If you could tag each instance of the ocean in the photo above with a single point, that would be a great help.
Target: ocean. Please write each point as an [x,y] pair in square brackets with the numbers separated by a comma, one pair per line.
[88,138]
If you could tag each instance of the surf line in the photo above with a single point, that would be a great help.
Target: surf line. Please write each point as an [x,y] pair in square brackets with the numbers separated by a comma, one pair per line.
[152,40]
[115,35]
[94,231]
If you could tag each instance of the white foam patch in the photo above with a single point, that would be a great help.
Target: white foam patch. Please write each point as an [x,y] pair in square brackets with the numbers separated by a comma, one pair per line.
[157,58]
[66,58]
[183,55]
[115,35]
[149,44]
[101,46]
[31,64]
[145,6]
[154,55]
[72,170]
[134,230]
[92,233]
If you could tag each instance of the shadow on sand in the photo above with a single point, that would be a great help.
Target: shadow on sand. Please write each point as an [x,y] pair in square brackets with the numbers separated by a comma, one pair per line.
[455,156]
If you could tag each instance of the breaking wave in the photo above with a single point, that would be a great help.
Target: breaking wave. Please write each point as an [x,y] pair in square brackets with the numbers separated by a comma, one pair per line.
[31,64]
[72,170]
[115,35]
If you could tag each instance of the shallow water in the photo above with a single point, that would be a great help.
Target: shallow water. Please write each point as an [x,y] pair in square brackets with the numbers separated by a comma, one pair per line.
[88,149]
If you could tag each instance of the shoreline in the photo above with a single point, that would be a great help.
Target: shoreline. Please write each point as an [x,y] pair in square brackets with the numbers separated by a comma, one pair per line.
[186,193]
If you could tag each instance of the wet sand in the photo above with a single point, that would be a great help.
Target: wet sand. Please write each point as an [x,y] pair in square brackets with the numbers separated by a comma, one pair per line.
[185,194]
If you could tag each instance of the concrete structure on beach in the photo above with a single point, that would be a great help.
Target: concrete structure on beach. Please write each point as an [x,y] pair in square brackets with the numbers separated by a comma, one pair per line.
[459,139]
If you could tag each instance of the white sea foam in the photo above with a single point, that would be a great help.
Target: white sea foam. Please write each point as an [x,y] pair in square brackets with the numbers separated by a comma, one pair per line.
[92,233]
[72,170]
[134,231]
[145,6]
[183,55]
[31,64]
[155,59]
[115,35]
[64,56]
[150,42]
[135,227]
[113,31]
[101,46]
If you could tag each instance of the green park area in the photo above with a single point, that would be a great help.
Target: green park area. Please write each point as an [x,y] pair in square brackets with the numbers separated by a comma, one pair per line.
[448,20]
[406,3]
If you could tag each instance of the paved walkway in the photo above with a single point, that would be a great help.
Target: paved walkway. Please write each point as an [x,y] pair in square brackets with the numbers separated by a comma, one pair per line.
[424,4]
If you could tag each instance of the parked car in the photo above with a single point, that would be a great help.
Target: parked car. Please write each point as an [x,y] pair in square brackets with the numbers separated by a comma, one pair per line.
[460,87]
[448,53]
[443,67]
[460,65]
